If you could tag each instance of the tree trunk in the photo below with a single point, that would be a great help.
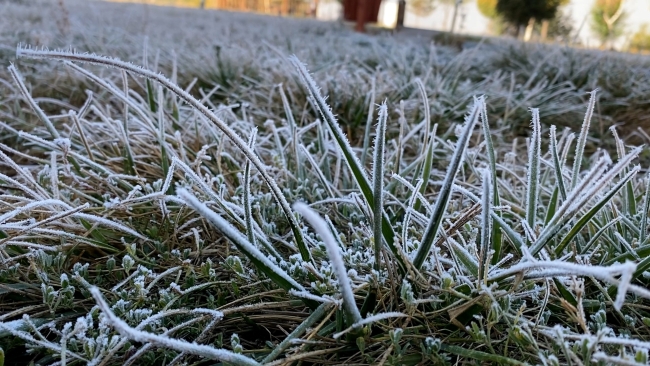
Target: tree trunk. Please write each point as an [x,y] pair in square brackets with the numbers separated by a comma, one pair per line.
[202,4]
[544,31]
[401,9]
[453,18]
[529,30]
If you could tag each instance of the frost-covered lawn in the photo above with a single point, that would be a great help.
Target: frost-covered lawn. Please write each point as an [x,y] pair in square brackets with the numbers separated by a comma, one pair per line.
[390,202]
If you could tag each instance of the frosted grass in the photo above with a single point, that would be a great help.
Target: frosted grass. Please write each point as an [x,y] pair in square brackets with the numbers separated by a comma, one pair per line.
[586,258]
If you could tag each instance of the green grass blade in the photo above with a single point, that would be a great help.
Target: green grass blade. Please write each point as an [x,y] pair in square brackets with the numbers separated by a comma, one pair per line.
[150,96]
[366,134]
[582,139]
[464,257]
[628,199]
[552,205]
[164,157]
[514,237]
[594,238]
[559,177]
[486,226]
[294,132]
[497,238]
[534,157]
[644,217]
[378,182]
[445,192]
[564,291]
[18,80]
[427,147]
[248,212]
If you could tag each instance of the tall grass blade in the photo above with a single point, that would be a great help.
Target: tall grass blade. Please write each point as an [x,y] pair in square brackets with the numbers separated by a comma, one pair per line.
[164,157]
[559,177]
[644,216]
[18,80]
[534,157]
[294,132]
[431,231]
[366,135]
[248,212]
[496,200]
[427,147]
[486,226]
[336,260]
[582,139]
[552,205]
[628,199]
[378,182]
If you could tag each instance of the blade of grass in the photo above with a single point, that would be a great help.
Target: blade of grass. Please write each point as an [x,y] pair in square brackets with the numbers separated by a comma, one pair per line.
[18,80]
[582,139]
[248,212]
[556,163]
[427,147]
[445,192]
[496,200]
[486,226]
[366,134]
[534,157]
[644,217]
[628,199]
[378,182]
[336,260]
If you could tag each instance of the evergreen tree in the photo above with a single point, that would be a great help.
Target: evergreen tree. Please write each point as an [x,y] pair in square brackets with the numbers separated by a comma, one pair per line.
[519,13]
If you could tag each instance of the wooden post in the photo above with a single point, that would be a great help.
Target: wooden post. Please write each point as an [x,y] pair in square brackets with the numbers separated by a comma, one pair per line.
[401,9]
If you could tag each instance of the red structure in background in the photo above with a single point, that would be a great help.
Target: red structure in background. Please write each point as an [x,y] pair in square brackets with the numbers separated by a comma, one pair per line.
[361,12]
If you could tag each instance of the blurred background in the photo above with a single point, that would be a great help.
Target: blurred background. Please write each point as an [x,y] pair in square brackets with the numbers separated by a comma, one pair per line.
[622,25]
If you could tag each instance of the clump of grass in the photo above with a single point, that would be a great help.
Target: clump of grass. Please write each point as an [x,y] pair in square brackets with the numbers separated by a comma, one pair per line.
[190,243]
